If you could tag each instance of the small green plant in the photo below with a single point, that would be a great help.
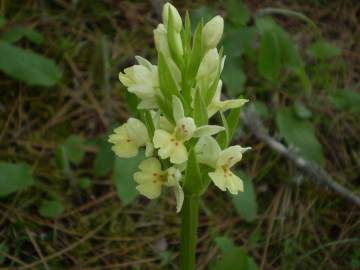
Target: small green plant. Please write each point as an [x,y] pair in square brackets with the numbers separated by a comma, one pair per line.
[177,98]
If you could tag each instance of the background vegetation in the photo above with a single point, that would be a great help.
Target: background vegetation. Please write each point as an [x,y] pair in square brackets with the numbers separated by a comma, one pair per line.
[67,203]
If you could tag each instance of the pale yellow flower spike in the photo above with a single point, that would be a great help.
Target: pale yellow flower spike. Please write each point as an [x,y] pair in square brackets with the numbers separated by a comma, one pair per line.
[129,137]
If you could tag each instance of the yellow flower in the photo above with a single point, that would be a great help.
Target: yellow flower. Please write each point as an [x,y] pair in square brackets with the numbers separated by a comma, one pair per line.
[151,179]
[218,105]
[171,144]
[209,153]
[129,137]
[142,80]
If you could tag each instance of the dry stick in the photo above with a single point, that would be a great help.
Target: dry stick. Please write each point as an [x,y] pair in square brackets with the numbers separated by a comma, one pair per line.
[319,175]
[37,248]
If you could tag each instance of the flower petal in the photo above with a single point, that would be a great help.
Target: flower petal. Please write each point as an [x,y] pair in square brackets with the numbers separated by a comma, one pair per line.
[150,165]
[178,109]
[137,131]
[125,149]
[161,138]
[235,184]
[207,130]
[219,179]
[179,195]
[207,150]
[179,154]
[185,128]
[231,155]
[149,190]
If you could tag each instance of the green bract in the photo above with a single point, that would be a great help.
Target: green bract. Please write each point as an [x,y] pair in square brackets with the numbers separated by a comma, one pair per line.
[177,98]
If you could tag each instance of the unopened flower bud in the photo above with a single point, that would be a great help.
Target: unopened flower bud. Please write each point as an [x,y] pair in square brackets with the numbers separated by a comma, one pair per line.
[213,31]
[176,19]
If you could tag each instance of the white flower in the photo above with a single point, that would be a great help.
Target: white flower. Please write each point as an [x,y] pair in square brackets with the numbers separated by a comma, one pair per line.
[129,137]
[151,178]
[213,31]
[161,42]
[218,105]
[209,153]
[171,144]
[142,80]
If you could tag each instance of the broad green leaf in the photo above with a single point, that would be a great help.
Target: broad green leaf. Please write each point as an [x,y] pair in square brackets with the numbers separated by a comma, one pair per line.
[17,33]
[234,257]
[240,41]
[123,176]
[27,66]
[132,101]
[74,149]
[168,86]
[165,108]
[264,24]
[323,50]
[238,12]
[245,202]
[104,160]
[51,208]
[269,63]
[346,100]
[224,243]
[200,111]
[234,77]
[301,110]
[193,180]
[14,177]
[196,53]
[299,134]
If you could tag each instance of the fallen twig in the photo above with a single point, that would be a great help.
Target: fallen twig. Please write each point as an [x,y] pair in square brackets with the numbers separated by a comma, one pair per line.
[318,175]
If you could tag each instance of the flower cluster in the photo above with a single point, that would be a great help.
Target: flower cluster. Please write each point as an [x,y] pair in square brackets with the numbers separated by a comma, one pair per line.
[177,98]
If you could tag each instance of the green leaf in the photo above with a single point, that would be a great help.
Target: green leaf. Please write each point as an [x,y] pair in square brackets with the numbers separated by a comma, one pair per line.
[269,63]
[264,24]
[238,12]
[168,86]
[245,202]
[233,77]
[346,100]
[14,177]
[240,41]
[27,66]
[224,243]
[323,50]
[234,257]
[123,176]
[193,180]
[17,33]
[301,110]
[300,134]
[200,110]
[51,208]
[74,149]
[223,138]
[196,53]
[104,160]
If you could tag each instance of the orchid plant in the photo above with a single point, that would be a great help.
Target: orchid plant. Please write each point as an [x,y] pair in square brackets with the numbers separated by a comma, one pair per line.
[178,98]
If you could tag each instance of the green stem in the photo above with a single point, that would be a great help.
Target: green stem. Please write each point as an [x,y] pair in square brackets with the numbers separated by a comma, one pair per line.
[189,224]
